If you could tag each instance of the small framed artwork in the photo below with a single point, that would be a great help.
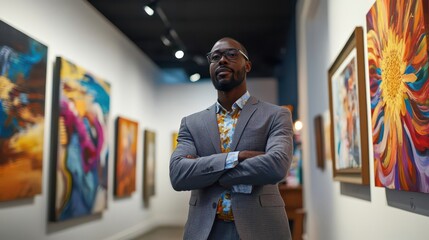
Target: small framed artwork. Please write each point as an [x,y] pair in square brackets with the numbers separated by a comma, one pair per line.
[126,154]
[320,141]
[149,166]
[327,135]
[347,101]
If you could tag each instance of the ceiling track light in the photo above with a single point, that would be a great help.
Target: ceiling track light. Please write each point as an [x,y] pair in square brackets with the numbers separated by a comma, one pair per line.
[165,40]
[200,60]
[151,7]
[179,54]
[195,77]
[170,38]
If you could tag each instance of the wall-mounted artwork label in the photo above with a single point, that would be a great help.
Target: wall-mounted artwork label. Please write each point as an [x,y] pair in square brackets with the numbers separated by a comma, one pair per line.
[81,109]
[397,36]
[22,113]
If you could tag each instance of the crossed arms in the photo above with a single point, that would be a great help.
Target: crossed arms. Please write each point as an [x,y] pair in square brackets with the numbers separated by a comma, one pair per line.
[189,171]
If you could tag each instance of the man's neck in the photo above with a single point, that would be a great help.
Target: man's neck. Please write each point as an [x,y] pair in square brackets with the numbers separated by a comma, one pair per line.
[227,99]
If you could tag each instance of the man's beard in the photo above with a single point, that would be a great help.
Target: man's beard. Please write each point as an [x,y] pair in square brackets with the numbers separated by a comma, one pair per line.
[233,82]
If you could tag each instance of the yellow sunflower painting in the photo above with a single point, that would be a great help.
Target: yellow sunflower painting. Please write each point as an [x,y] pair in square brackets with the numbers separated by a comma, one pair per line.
[399,89]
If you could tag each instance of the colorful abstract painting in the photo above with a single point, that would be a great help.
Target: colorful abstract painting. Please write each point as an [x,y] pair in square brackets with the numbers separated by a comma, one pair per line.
[347,101]
[22,113]
[126,154]
[81,106]
[149,166]
[397,35]
[346,115]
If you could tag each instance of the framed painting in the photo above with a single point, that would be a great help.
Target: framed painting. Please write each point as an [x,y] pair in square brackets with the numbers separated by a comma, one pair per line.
[126,154]
[347,101]
[149,166]
[397,36]
[80,151]
[22,113]
[320,141]
[174,136]
[327,135]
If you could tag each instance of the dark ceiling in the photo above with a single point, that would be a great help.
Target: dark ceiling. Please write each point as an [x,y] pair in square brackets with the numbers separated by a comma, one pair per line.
[261,26]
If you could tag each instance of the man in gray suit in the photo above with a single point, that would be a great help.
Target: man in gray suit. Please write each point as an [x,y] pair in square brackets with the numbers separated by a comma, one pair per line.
[232,155]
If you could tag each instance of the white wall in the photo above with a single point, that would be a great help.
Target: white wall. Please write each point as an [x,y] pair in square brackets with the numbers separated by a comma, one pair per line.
[77,32]
[343,211]
[74,30]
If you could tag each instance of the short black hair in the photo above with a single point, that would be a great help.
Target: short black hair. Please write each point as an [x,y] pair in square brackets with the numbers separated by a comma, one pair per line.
[242,48]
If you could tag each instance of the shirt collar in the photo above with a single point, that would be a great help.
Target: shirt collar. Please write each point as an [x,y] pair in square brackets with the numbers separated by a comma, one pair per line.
[239,103]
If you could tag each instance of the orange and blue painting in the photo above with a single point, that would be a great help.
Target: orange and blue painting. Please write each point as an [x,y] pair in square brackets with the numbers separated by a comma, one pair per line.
[397,41]
[126,156]
[22,113]
[81,142]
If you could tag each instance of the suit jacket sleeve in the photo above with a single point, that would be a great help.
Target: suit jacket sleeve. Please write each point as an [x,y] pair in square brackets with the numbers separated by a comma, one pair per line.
[189,173]
[271,167]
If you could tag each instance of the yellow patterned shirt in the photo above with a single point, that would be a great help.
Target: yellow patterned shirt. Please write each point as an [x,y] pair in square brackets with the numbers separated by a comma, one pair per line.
[226,123]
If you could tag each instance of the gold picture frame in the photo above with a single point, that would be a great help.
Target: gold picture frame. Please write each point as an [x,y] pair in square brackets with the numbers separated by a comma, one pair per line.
[347,102]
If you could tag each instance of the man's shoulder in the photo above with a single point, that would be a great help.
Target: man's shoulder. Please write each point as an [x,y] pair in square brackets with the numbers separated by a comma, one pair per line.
[271,107]
[200,113]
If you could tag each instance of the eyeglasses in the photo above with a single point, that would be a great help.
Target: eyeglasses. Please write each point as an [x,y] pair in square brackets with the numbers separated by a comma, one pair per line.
[230,54]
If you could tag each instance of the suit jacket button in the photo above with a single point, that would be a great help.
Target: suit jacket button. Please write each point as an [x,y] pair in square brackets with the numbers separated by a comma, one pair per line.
[214,205]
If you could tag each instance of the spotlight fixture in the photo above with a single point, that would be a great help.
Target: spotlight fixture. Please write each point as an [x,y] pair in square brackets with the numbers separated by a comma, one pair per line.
[195,77]
[200,60]
[179,54]
[165,40]
[150,8]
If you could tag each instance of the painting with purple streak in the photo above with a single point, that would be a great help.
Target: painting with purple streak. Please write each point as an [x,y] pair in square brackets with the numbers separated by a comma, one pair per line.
[80,142]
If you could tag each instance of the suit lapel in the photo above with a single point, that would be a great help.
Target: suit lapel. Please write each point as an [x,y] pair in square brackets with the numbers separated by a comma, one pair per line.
[212,127]
[245,115]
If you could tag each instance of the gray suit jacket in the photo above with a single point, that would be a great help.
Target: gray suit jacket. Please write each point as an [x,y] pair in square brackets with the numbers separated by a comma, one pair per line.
[260,127]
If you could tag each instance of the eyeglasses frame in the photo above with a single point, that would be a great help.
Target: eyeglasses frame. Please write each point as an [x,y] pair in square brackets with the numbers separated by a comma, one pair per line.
[223,54]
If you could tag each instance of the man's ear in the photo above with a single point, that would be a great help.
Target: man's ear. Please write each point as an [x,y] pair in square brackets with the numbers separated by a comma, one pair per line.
[248,66]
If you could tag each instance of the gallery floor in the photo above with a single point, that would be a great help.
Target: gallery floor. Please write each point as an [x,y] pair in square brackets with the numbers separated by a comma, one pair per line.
[163,233]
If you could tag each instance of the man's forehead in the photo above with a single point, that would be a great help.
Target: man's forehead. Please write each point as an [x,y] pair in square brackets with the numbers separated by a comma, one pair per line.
[225,44]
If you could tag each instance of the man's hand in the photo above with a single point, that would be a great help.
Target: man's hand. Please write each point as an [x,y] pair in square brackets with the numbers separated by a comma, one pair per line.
[191,156]
[243,155]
